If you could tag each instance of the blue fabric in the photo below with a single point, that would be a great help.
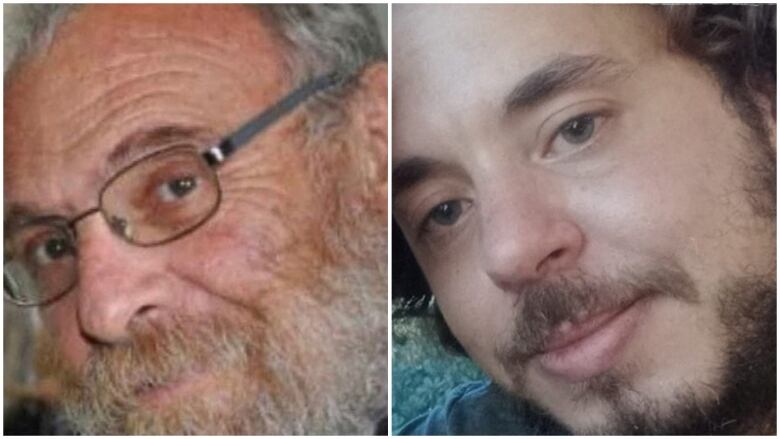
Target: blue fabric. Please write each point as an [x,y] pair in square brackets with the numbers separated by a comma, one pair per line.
[482,408]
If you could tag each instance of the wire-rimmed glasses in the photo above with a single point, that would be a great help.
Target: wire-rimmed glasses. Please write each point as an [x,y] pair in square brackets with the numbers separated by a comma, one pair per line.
[154,200]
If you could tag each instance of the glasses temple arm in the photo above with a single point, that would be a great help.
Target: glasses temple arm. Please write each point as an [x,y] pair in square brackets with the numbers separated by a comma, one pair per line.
[217,154]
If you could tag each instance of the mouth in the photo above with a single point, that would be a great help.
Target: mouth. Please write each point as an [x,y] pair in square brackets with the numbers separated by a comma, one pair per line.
[591,345]
[161,395]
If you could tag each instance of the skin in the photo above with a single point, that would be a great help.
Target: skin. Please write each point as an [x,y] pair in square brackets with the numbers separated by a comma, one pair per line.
[661,179]
[108,75]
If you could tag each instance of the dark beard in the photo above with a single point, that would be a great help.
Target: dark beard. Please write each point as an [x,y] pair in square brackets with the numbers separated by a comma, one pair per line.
[746,398]
[746,404]
[546,304]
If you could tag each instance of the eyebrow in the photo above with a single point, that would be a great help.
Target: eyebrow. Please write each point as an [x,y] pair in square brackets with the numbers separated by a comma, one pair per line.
[148,139]
[16,214]
[129,148]
[410,172]
[562,74]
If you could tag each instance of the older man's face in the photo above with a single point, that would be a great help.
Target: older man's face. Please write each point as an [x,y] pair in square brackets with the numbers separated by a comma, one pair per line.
[244,325]
[586,210]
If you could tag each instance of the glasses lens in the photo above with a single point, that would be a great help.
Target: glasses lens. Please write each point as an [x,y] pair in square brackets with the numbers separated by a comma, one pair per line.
[161,197]
[40,264]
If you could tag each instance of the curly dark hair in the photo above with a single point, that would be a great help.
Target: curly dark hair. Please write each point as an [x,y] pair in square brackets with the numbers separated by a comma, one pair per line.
[737,45]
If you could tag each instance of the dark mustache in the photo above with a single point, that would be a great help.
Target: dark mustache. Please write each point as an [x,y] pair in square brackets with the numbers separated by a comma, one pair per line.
[543,305]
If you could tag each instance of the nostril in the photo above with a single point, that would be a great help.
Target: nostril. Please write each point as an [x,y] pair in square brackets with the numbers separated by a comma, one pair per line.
[544,264]
[556,254]
[145,310]
[145,317]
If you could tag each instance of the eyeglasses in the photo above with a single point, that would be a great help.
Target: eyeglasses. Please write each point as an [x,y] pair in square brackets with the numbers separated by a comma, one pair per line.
[153,201]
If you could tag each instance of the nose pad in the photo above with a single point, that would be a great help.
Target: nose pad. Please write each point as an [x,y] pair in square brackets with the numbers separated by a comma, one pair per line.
[121,227]
[119,285]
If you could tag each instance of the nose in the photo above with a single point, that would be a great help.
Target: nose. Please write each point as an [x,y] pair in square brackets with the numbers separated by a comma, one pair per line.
[120,285]
[525,239]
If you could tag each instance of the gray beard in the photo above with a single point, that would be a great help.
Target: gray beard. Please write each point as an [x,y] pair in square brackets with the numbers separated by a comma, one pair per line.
[319,367]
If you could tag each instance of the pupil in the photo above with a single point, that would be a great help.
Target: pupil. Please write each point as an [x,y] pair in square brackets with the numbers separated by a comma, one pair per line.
[182,186]
[580,129]
[447,213]
[56,248]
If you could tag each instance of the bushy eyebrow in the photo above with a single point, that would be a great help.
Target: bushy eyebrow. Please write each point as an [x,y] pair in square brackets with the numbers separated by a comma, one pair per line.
[129,148]
[411,171]
[148,139]
[562,74]
[16,214]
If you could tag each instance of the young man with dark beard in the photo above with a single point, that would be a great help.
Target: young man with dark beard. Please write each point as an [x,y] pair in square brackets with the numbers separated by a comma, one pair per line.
[589,192]
[195,202]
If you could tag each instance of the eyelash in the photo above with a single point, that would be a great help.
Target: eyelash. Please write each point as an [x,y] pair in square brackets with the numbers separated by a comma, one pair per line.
[597,117]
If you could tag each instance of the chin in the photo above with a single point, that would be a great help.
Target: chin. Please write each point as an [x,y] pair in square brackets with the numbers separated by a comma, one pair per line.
[626,402]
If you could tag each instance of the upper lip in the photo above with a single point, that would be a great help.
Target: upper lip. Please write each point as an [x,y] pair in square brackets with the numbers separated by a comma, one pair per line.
[149,386]
[570,332]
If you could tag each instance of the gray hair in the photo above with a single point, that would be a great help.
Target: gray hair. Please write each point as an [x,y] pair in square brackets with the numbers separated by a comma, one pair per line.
[322,38]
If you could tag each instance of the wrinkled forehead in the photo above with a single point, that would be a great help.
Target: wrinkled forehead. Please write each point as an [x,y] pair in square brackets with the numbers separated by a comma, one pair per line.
[102,35]
[466,58]
[112,71]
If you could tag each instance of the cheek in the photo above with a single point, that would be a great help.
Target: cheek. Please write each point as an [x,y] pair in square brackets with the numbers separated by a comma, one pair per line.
[247,252]
[62,325]
[478,313]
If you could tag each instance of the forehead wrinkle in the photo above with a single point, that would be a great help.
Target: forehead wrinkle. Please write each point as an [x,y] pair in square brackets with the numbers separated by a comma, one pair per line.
[117,95]
[187,62]
[178,68]
[116,91]
[236,49]
[135,108]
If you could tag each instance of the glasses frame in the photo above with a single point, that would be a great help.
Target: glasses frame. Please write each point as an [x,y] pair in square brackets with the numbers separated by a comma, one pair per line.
[213,156]
[111,221]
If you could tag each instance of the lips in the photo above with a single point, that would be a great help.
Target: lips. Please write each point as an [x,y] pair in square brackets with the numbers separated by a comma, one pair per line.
[591,345]
[157,395]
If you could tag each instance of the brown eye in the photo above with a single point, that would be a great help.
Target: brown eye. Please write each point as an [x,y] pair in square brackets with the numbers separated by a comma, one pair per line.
[50,250]
[177,188]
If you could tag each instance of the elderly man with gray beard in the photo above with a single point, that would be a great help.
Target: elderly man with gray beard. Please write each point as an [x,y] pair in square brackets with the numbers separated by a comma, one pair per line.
[195,205]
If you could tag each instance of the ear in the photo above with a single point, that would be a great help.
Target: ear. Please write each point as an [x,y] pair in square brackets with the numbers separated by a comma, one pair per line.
[369,108]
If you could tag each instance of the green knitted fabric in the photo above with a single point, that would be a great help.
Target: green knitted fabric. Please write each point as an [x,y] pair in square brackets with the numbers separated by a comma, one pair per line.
[422,370]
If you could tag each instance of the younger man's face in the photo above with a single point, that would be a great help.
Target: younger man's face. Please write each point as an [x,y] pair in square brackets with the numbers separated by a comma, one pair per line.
[584,207]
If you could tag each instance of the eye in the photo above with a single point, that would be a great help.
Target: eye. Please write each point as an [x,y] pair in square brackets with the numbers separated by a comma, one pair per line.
[443,222]
[177,188]
[446,214]
[578,130]
[51,250]
[574,134]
